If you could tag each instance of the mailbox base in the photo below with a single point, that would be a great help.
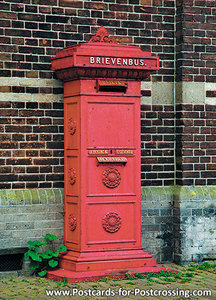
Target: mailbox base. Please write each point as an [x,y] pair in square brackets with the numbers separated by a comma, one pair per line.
[78,267]
[104,260]
[74,277]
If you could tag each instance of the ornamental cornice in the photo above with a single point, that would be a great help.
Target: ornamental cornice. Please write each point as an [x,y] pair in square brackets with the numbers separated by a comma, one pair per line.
[95,72]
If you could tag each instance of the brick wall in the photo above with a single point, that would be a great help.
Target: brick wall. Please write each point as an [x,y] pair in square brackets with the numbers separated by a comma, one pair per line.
[196,144]
[31,136]
[177,141]
[195,40]
[32,31]
[30,214]
[157,145]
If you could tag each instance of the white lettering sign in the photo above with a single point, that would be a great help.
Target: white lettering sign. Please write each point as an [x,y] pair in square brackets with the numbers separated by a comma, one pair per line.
[117,61]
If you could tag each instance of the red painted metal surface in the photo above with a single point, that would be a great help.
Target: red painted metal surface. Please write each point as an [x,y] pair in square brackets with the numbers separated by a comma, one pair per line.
[102,156]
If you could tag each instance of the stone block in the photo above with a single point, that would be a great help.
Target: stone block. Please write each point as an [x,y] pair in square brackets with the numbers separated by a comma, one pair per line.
[166,212]
[27,197]
[147,220]
[51,196]
[42,196]
[3,198]
[153,212]
[35,197]
[197,212]
[190,92]
[162,92]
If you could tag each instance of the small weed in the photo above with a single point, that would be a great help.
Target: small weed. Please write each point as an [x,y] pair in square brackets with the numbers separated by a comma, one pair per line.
[187,274]
[167,279]
[78,286]
[131,282]
[129,277]
[117,279]
[186,279]
[25,280]
[94,286]
[104,279]
[62,282]
[205,266]
[139,275]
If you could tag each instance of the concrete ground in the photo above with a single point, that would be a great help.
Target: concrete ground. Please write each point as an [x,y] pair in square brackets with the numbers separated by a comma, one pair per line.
[197,279]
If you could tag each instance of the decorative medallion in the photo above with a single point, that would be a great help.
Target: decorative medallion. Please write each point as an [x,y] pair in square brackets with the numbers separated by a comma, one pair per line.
[72,175]
[111,222]
[101,35]
[71,126]
[72,221]
[111,177]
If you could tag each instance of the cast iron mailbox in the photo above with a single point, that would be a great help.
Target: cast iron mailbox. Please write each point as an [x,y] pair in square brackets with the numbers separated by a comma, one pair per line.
[102,155]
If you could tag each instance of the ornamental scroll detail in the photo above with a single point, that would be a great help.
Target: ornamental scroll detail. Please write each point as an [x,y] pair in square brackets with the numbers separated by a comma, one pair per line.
[71,126]
[111,222]
[111,177]
[72,221]
[101,35]
[72,175]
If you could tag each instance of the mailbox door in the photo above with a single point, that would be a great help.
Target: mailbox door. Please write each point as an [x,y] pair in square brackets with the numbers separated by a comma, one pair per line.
[112,170]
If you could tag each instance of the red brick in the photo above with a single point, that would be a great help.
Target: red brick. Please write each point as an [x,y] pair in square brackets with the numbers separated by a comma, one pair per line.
[19,161]
[7,15]
[19,153]
[14,128]
[46,161]
[18,185]
[208,145]
[32,169]
[69,3]
[32,145]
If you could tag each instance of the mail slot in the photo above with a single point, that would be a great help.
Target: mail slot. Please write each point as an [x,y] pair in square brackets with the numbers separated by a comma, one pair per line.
[102,154]
[112,86]
[112,160]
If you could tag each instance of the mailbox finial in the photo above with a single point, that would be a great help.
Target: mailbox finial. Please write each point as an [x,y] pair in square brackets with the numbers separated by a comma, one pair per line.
[101,35]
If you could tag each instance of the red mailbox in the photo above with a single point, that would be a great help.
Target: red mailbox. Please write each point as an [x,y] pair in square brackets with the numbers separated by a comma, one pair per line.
[102,157]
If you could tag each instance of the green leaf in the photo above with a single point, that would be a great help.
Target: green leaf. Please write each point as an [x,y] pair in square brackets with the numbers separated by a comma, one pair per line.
[42,273]
[26,255]
[50,237]
[34,256]
[50,252]
[62,249]
[56,254]
[46,255]
[36,243]
[34,265]
[53,263]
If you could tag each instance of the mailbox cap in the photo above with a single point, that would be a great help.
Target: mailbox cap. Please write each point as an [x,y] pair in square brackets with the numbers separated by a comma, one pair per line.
[102,57]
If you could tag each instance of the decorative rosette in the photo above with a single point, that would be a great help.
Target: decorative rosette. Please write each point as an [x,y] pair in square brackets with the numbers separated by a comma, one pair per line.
[72,221]
[111,222]
[111,177]
[72,175]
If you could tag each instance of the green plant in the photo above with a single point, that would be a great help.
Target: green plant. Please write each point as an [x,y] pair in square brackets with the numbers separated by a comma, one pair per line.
[62,282]
[43,258]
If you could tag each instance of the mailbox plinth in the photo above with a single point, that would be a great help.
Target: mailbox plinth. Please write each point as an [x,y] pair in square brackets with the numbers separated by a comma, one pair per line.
[102,157]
